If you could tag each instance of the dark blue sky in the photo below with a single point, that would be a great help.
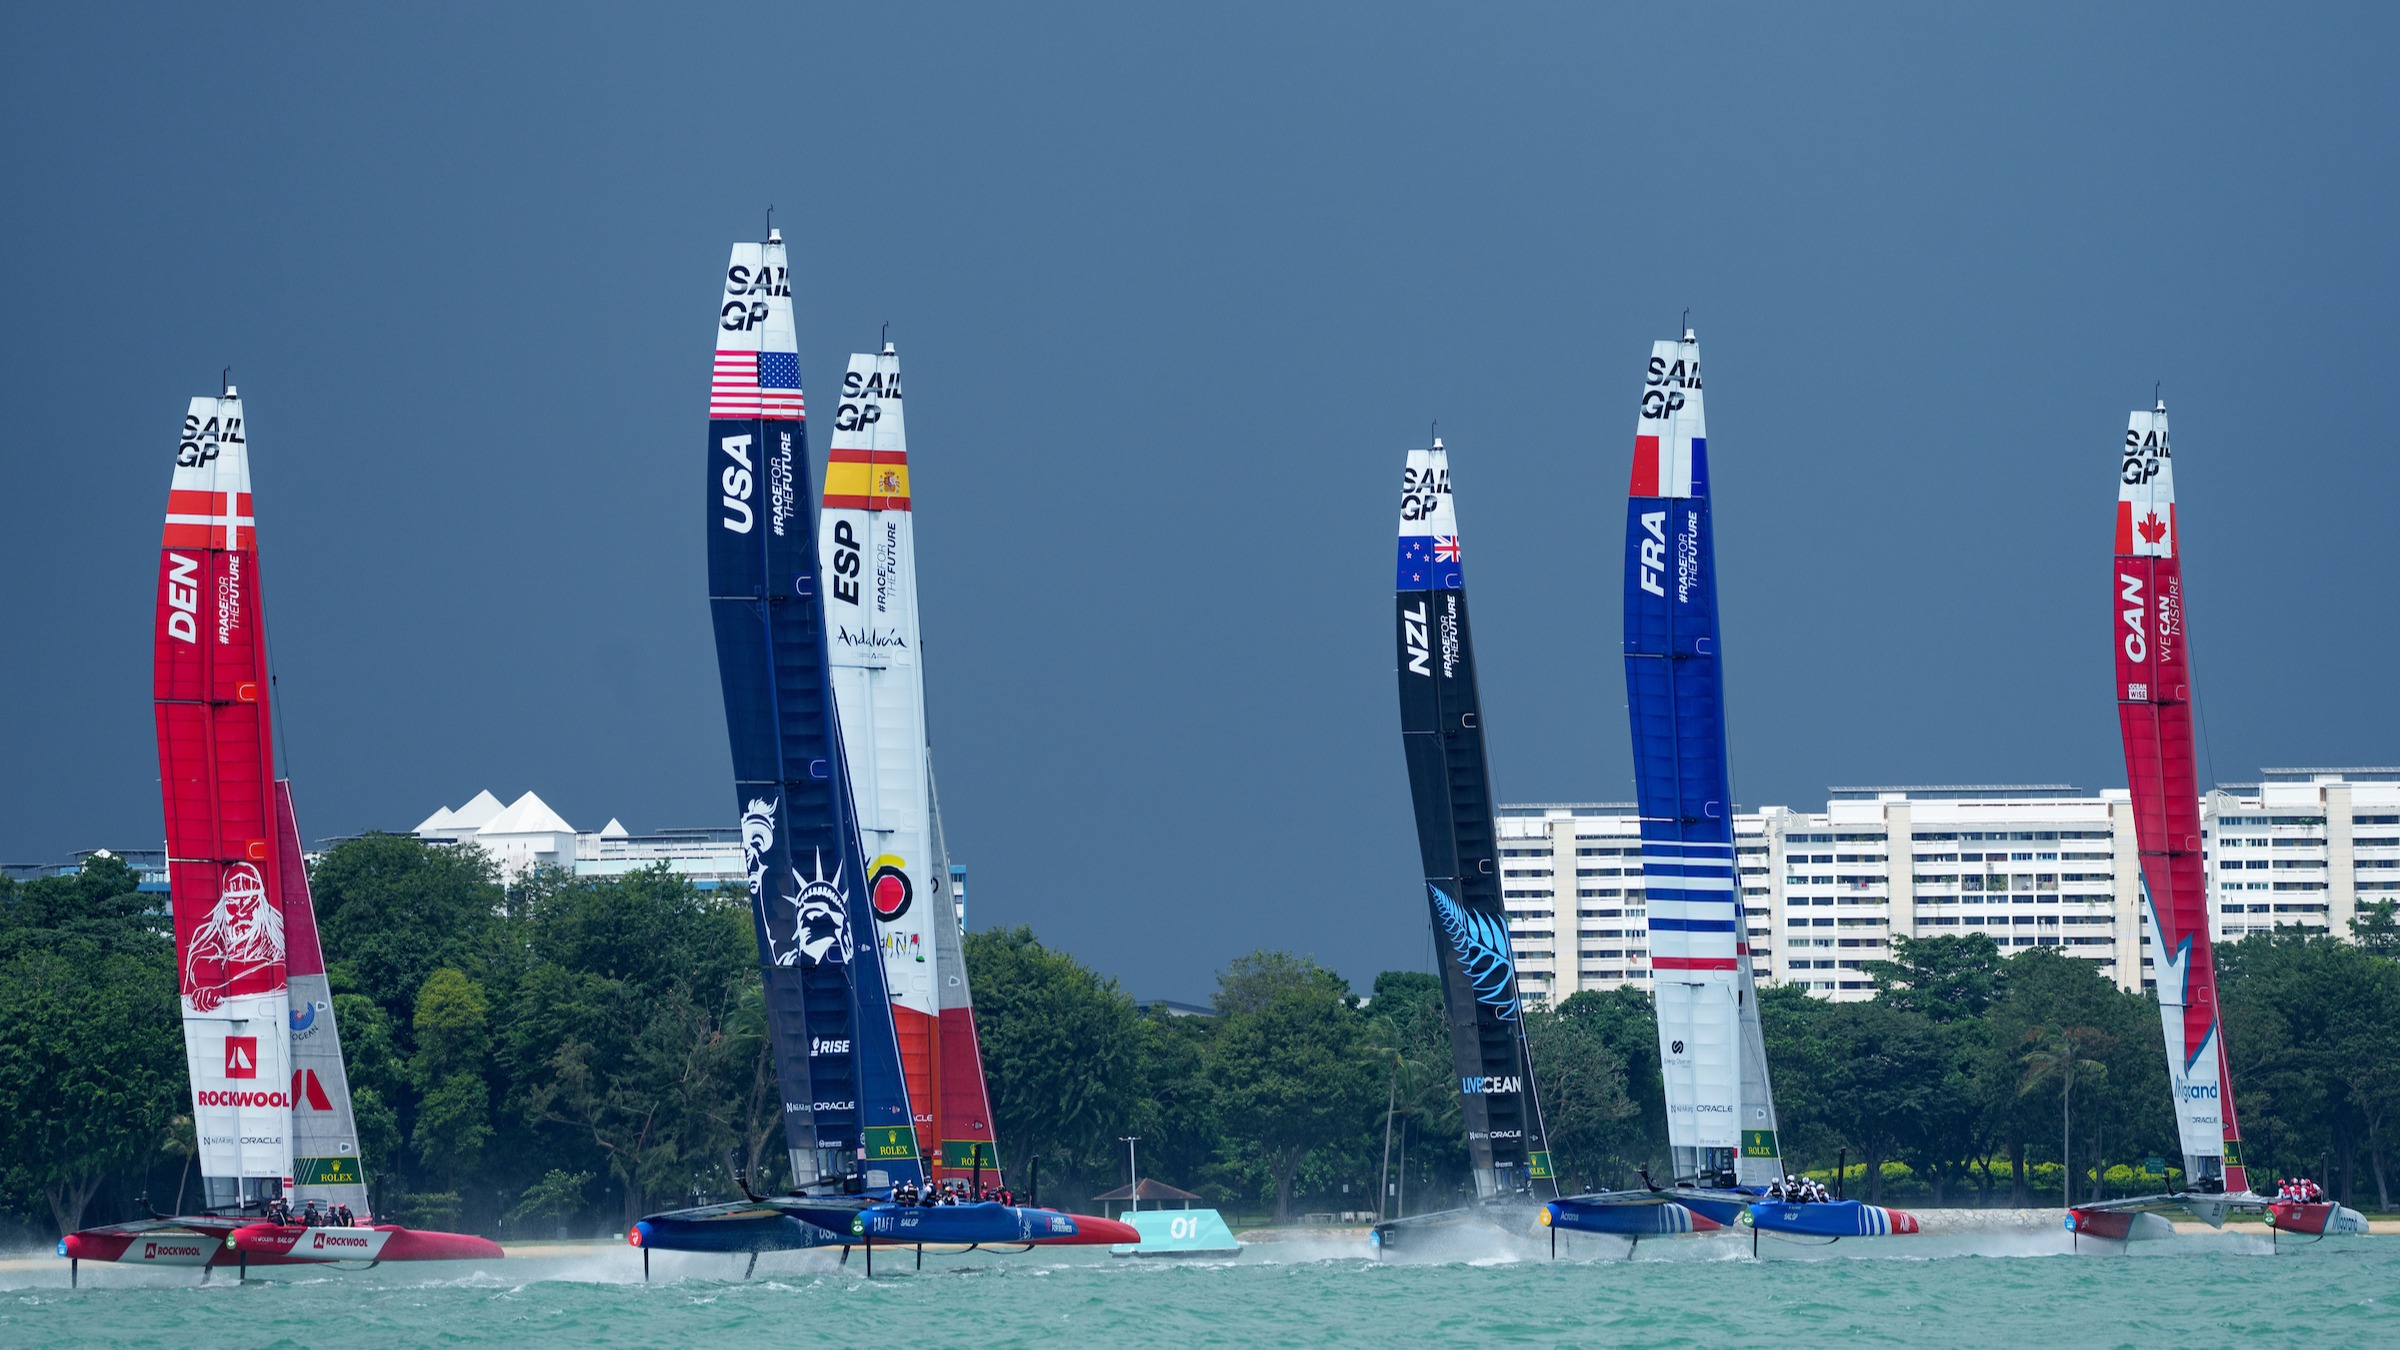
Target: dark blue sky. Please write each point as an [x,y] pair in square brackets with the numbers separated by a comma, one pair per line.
[1174,292]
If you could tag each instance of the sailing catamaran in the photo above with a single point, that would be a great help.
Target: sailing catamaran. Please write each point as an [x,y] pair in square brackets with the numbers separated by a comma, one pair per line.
[868,556]
[1441,723]
[846,1106]
[2154,713]
[270,1097]
[1720,1103]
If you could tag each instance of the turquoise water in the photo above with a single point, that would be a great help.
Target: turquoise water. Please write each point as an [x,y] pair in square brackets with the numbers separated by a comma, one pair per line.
[2217,1290]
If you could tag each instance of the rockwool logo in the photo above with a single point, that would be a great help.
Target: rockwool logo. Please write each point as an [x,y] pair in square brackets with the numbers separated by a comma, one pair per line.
[325,1240]
[152,1251]
[241,1057]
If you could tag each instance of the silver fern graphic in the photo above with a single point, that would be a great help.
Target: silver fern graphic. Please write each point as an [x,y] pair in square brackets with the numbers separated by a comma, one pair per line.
[1482,946]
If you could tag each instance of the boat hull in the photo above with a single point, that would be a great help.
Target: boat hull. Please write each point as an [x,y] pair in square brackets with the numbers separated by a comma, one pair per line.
[2319,1219]
[1627,1218]
[749,1231]
[226,1242]
[2119,1225]
[1830,1219]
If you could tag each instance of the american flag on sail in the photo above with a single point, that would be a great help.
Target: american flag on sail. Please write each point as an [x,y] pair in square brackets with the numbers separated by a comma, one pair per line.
[756,384]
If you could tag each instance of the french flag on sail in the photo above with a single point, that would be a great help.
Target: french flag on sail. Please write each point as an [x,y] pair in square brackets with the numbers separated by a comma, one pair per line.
[1669,466]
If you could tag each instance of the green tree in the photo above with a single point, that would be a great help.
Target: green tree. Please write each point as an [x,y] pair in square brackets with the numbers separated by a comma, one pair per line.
[392,909]
[1290,1061]
[1590,1120]
[2064,1056]
[1945,979]
[1061,1051]
[1623,1020]
[91,1050]
[453,1026]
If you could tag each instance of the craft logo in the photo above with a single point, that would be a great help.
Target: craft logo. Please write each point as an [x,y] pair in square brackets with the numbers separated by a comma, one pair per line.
[2137,642]
[820,920]
[241,1057]
[307,1089]
[239,950]
[743,313]
[1423,491]
[183,598]
[2145,454]
[1687,558]
[1663,396]
[1654,551]
[736,482]
[845,561]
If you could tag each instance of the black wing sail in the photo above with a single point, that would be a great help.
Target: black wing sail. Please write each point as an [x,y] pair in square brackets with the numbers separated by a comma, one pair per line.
[1441,726]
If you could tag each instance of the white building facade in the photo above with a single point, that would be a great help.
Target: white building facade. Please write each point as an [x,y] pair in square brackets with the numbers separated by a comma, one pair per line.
[2029,866]
[526,834]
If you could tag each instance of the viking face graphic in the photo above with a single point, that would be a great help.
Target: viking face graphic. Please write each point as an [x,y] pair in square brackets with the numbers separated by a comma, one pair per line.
[239,950]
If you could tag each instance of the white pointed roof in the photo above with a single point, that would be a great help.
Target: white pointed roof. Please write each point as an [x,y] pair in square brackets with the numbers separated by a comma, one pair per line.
[478,812]
[440,822]
[526,815]
[614,829]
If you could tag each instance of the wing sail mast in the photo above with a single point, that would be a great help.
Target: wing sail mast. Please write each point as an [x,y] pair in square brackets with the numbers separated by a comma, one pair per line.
[868,547]
[1441,725]
[216,756]
[1720,1102]
[845,1100]
[2154,712]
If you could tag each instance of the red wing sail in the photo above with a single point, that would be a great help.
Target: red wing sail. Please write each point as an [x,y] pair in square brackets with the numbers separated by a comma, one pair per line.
[216,773]
[2154,711]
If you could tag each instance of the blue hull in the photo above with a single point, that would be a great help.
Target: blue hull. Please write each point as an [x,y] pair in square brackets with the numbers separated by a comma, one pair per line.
[756,1231]
[1831,1219]
[1625,1219]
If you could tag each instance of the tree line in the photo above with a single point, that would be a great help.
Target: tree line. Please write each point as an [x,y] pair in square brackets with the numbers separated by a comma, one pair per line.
[563,1054]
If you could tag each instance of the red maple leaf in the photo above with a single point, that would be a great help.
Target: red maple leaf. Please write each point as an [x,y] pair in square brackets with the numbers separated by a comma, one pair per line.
[2153,529]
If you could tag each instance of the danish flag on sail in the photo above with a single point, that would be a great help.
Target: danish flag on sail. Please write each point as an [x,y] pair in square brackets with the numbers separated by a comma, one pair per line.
[216,773]
[2154,711]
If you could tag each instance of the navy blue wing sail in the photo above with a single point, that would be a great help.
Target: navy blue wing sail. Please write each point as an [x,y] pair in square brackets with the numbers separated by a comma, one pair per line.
[845,1102]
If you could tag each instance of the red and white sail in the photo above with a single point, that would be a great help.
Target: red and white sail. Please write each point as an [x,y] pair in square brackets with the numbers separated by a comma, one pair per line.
[216,757]
[867,547]
[2154,711]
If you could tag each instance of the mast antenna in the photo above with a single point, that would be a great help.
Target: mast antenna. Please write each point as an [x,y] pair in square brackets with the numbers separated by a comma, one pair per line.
[770,218]
[1433,431]
[1686,329]
[887,332]
[224,381]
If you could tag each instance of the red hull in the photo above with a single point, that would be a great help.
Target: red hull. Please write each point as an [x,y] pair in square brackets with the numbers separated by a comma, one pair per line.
[1091,1231]
[196,1242]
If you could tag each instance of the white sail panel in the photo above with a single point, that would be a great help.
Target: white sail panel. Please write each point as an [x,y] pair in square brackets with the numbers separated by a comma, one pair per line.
[867,548]
[1699,1046]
